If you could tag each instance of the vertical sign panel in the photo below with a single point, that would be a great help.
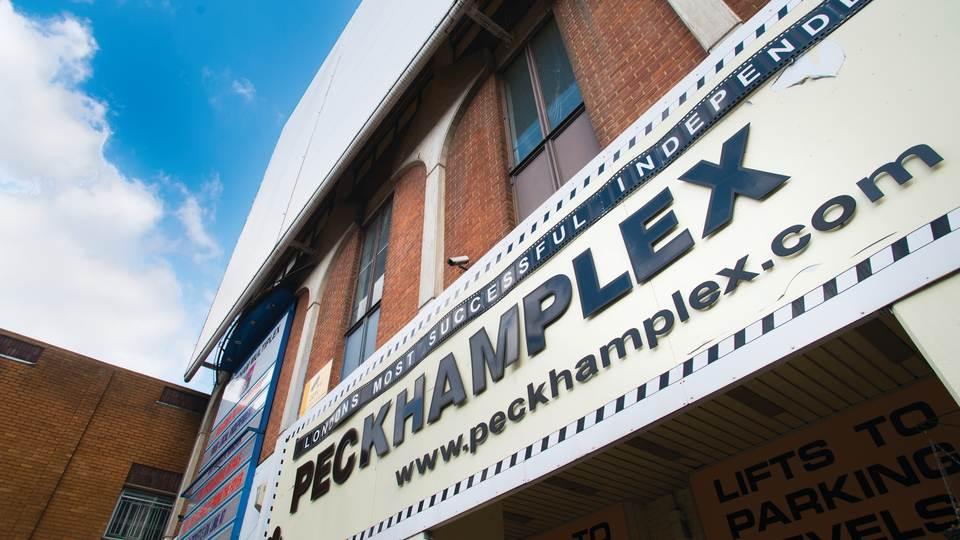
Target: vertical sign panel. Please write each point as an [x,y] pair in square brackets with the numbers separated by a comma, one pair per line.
[219,493]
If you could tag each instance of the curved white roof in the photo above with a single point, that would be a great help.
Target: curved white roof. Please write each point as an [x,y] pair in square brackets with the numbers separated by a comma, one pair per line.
[377,47]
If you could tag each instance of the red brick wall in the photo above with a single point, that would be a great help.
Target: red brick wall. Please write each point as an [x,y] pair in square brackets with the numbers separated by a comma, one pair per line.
[746,8]
[626,54]
[479,198]
[334,314]
[286,373]
[401,290]
[105,417]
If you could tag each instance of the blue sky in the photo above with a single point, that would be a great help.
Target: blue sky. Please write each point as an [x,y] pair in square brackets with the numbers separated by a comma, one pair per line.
[140,131]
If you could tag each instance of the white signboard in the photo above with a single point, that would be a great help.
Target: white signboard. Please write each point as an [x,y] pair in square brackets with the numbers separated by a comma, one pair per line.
[723,225]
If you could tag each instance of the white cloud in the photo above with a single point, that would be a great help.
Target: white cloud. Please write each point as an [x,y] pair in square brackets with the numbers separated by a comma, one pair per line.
[194,213]
[223,87]
[212,189]
[244,88]
[191,216]
[83,260]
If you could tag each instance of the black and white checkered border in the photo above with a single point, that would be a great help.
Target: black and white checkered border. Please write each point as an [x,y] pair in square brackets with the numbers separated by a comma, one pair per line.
[576,192]
[276,489]
[856,274]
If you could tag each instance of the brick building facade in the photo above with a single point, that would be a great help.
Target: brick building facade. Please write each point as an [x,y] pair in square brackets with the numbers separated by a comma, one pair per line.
[478,199]
[504,123]
[78,434]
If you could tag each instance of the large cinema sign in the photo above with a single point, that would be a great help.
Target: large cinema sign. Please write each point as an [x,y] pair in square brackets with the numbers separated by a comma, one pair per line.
[218,495]
[645,234]
[632,282]
[726,179]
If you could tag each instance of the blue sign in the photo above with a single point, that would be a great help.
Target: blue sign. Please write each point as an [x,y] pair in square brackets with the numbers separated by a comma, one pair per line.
[220,492]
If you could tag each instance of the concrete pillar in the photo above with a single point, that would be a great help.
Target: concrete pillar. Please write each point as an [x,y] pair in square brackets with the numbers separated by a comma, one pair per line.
[314,284]
[929,317]
[291,408]
[708,20]
[431,249]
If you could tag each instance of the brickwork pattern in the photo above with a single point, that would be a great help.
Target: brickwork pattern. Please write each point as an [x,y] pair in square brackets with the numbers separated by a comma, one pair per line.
[401,289]
[334,315]
[286,373]
[746,8]
[479,199]
[73,426]
[626,54]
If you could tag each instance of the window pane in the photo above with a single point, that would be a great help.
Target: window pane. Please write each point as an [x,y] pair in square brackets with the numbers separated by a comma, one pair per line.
[533,185]
[575,146]
[351,352]
[372,259]
[360,297]
[560,91]
[370,338]
[362,294]
[369,244]
[385,215]
[525,130]
[380,263]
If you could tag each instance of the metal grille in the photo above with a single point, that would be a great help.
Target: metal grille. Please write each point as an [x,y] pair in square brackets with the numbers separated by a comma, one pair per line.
[139,516]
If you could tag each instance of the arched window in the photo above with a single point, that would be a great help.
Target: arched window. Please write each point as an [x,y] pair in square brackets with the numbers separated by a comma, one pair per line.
[365,313]
[550,134]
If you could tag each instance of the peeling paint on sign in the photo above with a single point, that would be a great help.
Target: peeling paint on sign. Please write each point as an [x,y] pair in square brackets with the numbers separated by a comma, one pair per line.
[824,60]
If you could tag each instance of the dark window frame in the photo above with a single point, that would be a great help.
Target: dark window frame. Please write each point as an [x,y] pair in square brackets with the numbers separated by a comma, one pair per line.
[552,136]
[181,399]
[153,479]
[548,142]
[29,353]
[360,322]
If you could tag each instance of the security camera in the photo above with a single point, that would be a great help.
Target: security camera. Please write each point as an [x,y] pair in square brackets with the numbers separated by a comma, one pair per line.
[460,261]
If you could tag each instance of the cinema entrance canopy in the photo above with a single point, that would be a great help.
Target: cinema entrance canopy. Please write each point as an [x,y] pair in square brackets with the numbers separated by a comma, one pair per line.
[722,298]
[784,454]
